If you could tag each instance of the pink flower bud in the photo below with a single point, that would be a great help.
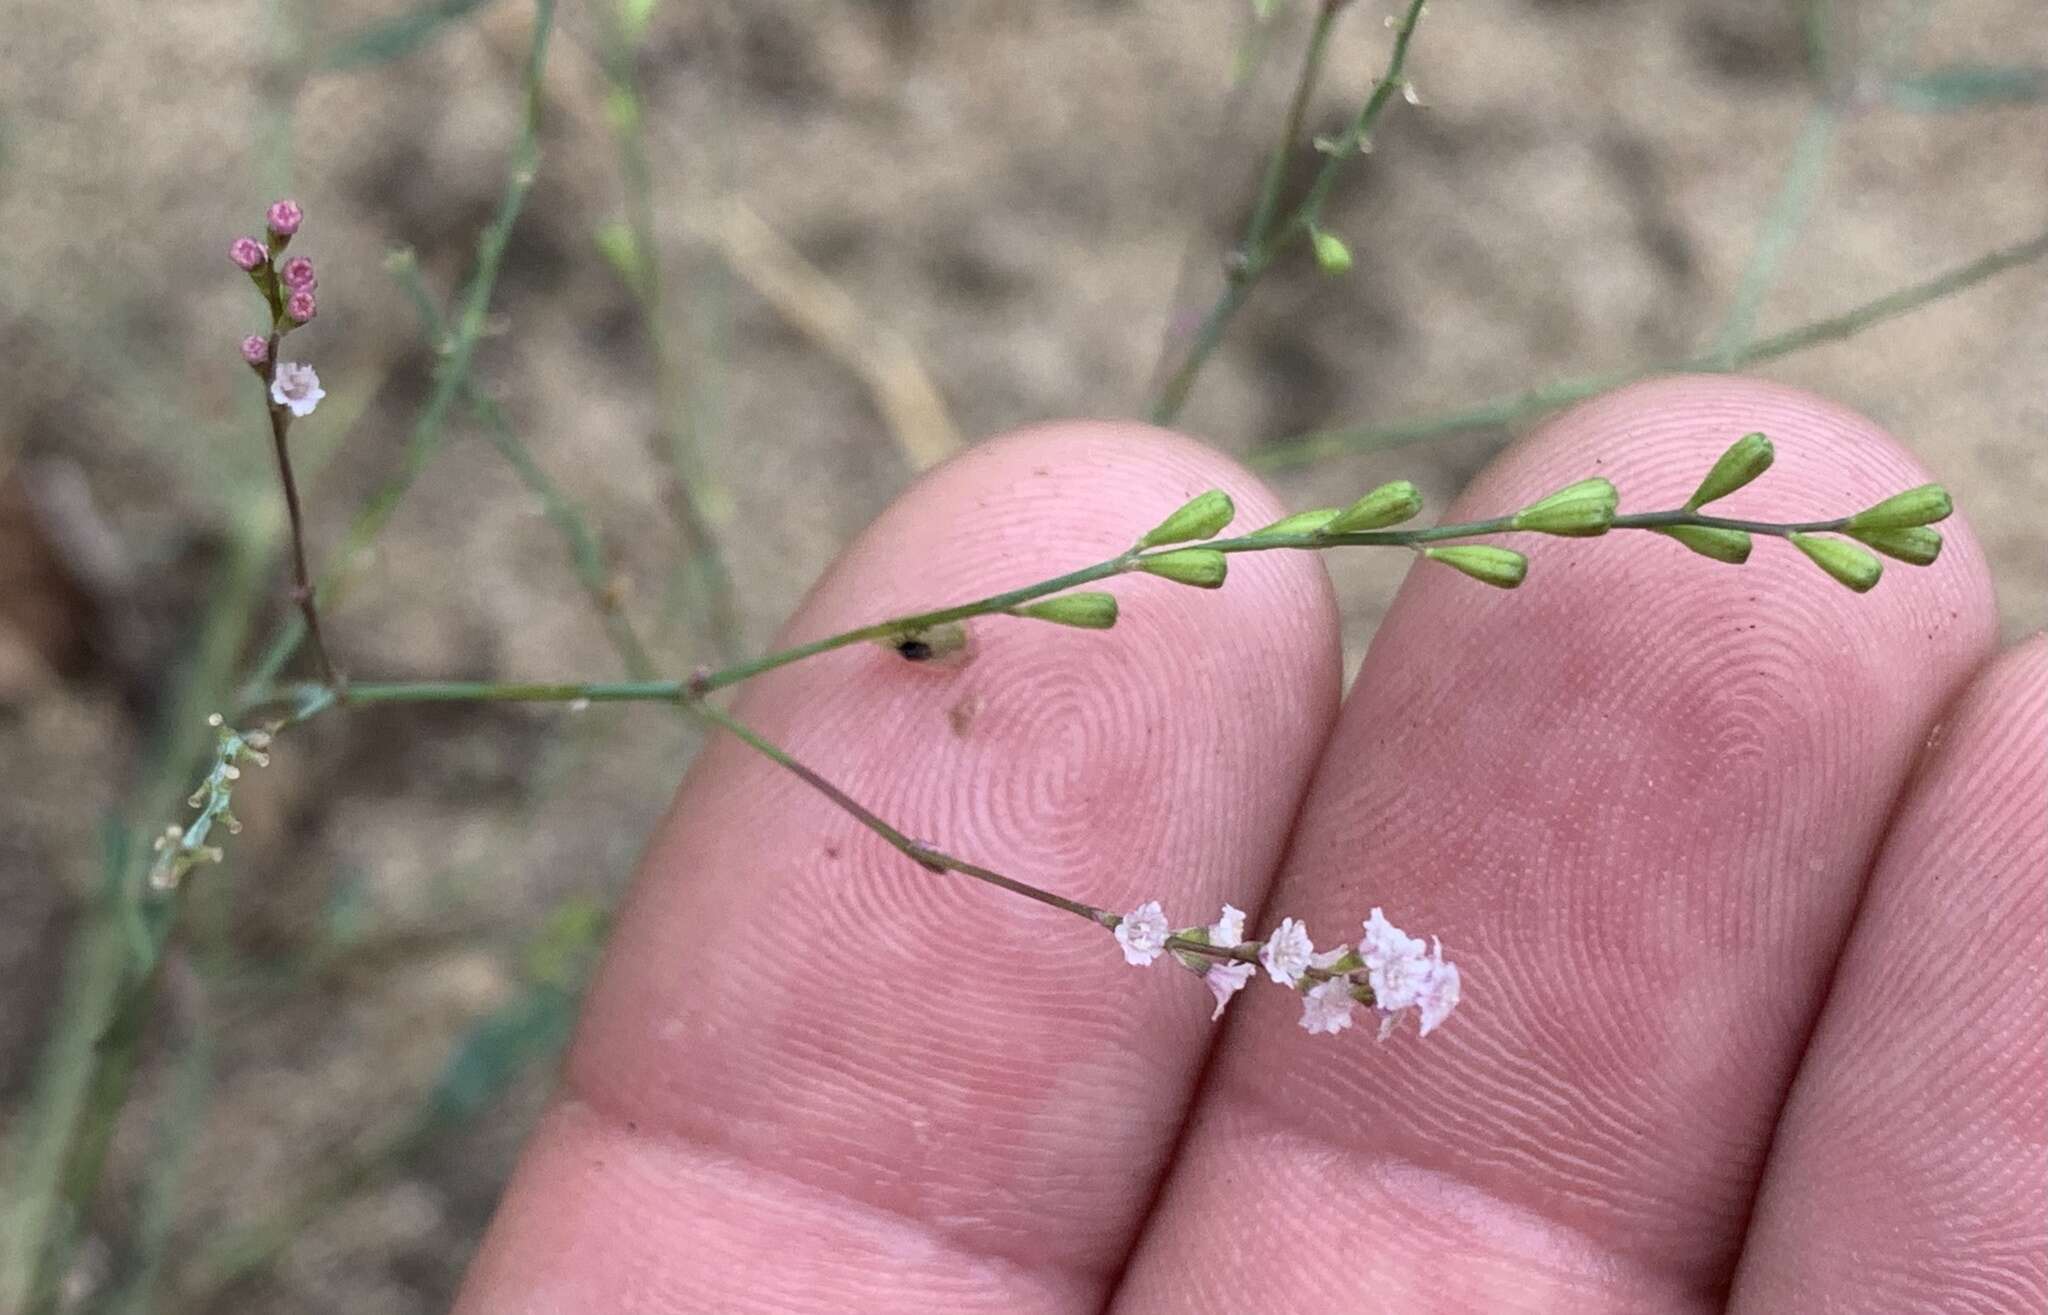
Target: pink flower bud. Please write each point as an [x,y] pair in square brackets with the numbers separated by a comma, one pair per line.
[299,308]
[256,349]
[284,218]
[248,253]
[297,273]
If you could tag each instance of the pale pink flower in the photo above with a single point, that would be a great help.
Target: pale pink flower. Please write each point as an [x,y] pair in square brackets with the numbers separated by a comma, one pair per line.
[1384,942]
[296,388]
[1226,980]
[248,254]
[1439,993]
[297,273]
[284,217]
[1142,933]
[300,307]
[1397,964]
[256,349]
[1227,932]
[1326,1008]
[1287,952]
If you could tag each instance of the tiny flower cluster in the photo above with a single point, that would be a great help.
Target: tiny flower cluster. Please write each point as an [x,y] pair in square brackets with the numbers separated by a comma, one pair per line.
[1388,970]
[288,288]
[181,848]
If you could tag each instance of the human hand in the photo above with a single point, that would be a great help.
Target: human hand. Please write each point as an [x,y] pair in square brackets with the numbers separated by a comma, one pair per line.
[1754,1004]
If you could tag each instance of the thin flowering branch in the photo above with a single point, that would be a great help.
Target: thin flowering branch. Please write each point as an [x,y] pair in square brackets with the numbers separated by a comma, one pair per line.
[457,357]
[1897,527]
[1266,237]
[290,390]
[1389,970]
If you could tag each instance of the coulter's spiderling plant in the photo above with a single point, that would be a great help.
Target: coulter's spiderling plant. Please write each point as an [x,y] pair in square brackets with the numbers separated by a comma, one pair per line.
[1383,970]
[1386,970]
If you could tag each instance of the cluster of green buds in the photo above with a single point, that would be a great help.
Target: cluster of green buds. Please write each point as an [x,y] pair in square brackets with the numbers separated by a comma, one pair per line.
[1185,548]
[182,848]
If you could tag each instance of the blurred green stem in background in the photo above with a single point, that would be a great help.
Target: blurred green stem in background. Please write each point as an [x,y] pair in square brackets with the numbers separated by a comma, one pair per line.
[56,1158]
[633,247]
[1267,236]
[1306,449]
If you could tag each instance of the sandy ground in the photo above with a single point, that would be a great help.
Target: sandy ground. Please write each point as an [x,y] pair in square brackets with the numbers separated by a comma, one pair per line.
[1012,196]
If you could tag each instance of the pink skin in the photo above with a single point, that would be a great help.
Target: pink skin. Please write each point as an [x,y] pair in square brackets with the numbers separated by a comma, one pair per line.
[1639,799]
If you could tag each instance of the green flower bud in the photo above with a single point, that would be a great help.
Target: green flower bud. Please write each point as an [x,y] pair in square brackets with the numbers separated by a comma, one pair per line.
[1087,611]
[1745,459]
[1845,561]
[1304,522]
[1501,567]
[1389,504]
[1332,256]
[1922,506]
[1203,568]
[1916,545]
[1731,546]
[1579,510]
[1200,518]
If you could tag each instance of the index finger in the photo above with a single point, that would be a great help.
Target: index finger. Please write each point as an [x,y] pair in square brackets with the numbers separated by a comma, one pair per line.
[812,1075]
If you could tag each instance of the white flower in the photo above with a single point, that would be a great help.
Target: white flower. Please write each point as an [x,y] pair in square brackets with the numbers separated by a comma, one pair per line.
[1288,951]
[1397,964]
[1384,942]
[296,388]
[1227,932]
[1226,980]
[1143,932]
[1327,1007]
[1439,993]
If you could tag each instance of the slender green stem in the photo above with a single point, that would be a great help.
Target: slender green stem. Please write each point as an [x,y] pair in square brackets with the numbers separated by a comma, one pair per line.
[1306,449]
[1265,239]
[451,378]
[314,699]
[918,852]
[1355,138]
[478,691]
[586,553]
[302,577]
[1268,204]
[1781,228]
[689,480]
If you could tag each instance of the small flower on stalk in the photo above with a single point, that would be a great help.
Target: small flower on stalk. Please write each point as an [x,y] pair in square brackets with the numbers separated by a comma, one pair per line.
[300,307]
[256,349]
[297,273]
[1142,933]
[248,254]
[284,218]
[1326,1008]
[1226,980]
[1288,952]
[1439,994]
[296,388]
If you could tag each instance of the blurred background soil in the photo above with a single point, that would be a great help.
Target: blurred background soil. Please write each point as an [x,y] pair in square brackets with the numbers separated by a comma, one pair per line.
[1006,205]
